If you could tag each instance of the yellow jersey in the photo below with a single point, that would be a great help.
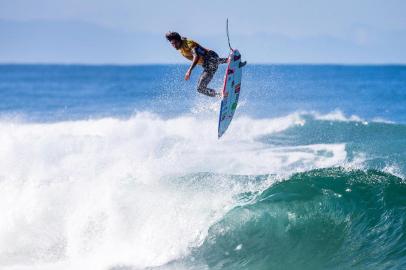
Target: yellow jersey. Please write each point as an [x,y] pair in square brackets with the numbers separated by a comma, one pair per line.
[190,48]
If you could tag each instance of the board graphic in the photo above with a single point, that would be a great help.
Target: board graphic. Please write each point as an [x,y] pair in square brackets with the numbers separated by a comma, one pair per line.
[231,91]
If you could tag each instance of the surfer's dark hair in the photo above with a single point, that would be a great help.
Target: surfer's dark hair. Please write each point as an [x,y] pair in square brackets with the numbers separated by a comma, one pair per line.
[173,36]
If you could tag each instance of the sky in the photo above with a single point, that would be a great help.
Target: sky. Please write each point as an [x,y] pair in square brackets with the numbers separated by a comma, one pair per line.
[265,31]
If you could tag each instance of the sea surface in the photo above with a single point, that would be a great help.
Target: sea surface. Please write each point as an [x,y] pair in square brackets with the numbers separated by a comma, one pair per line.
[119,168]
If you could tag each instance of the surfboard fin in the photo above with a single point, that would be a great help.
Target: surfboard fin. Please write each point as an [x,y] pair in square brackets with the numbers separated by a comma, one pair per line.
[242,64]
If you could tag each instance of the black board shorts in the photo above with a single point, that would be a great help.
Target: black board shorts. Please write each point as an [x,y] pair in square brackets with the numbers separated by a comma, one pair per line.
[210,66]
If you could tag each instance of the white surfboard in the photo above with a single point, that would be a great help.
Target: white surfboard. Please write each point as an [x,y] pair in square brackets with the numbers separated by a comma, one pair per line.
[231,91]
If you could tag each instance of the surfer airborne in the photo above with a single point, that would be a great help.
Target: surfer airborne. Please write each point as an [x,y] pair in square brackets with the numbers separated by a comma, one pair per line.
[199,56]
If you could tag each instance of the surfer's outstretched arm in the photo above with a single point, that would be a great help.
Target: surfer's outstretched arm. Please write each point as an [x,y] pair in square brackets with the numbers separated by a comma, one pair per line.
[192,66]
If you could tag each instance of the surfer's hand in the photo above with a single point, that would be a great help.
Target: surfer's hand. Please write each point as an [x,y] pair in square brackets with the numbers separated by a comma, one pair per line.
[187,75]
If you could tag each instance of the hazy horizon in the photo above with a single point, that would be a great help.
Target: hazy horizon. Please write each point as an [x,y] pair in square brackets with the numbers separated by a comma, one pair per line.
[266,32]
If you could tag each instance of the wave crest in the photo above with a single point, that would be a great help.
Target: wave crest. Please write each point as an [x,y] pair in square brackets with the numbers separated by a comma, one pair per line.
[321,219]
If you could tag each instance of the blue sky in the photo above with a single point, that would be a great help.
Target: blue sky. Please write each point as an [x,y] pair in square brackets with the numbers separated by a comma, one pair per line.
[131,31]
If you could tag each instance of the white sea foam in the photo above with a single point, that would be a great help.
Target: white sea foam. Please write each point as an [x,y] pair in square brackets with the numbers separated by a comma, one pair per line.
[338,115]
[395,170]
[98,193]
[382,120]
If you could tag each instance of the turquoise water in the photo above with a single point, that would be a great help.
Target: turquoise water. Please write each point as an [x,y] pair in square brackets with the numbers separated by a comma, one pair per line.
[320,219]
[119,167]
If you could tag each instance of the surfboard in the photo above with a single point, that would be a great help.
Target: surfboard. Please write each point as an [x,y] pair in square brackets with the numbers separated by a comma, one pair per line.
[231,91]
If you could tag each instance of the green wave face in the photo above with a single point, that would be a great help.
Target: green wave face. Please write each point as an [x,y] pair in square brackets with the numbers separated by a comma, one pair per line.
[321,219]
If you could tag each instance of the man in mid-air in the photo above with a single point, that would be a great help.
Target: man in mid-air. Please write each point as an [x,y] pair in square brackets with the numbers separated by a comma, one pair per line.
[199,56]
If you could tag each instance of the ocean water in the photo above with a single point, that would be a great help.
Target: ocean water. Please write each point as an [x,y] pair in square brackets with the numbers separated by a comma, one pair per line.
[119,167]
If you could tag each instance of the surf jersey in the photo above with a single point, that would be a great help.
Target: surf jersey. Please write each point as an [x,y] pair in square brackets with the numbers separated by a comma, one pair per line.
[190,48]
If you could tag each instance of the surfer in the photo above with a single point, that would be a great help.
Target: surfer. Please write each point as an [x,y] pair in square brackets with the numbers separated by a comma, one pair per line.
[199,56]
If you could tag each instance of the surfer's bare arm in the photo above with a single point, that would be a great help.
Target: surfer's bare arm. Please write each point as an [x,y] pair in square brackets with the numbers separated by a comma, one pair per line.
[192,66]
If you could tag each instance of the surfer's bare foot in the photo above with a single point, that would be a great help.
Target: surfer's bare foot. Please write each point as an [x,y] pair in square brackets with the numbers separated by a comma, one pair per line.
[242,64]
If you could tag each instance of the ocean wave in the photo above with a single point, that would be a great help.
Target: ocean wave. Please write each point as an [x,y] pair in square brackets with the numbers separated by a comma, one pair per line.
[145,191]
[321,219]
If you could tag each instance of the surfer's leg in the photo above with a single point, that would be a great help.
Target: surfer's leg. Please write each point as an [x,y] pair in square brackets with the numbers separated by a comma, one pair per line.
[223,60]
[215,59]
[210,67]
[204,80]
